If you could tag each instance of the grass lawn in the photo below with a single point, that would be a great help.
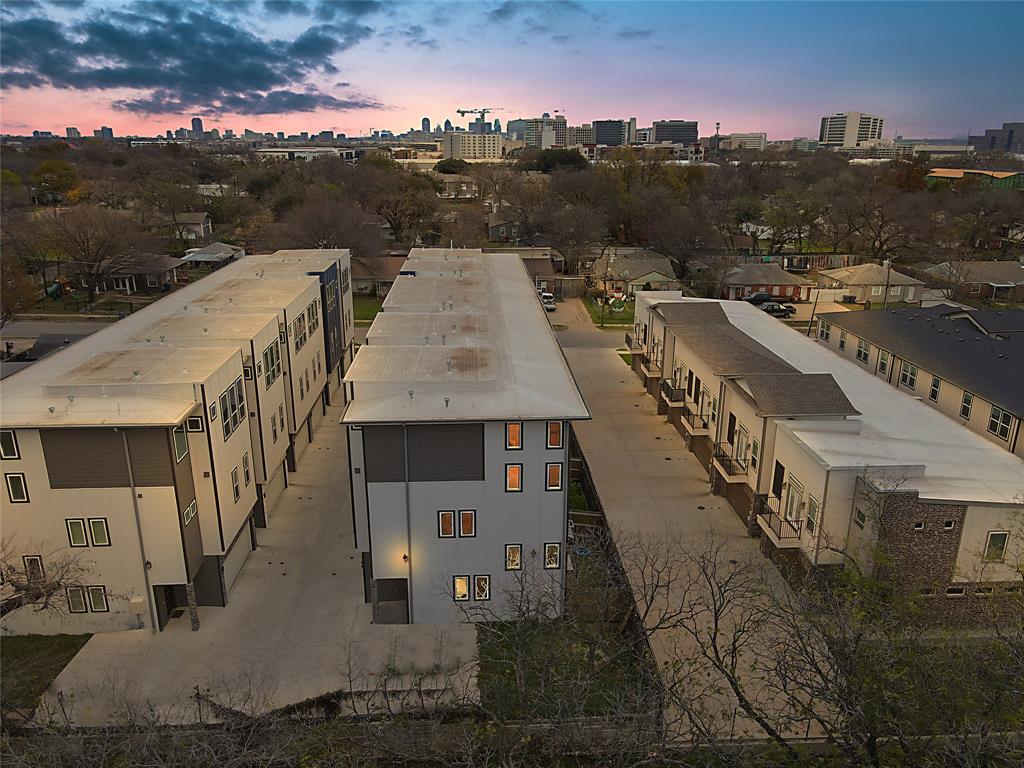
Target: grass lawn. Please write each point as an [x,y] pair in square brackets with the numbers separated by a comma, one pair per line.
[366,308]
[626,358]
[30,663]
[625,317]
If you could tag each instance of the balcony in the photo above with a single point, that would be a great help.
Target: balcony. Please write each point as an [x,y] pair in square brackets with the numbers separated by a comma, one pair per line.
[674,396]
[733,470]
[782,532]
[650,366]
[694,423]
[632,344]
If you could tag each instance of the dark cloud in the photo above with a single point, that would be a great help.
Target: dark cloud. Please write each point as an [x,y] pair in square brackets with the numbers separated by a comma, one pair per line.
[630,33]
[560,38]
[71,4]
[286,7]
[507,10]
[354,9]
[11,8]
[183,58]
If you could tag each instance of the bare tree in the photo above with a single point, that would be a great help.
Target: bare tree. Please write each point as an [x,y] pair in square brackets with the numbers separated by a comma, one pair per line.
[327,222]
[40,586]
[18,292]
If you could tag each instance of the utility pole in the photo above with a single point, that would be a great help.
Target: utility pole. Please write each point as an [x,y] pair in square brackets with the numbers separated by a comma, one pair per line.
[888,272]
[714,156]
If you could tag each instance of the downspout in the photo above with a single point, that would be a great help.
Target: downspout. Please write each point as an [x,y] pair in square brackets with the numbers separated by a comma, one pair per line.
[408,521]
[138,527]
[821,519]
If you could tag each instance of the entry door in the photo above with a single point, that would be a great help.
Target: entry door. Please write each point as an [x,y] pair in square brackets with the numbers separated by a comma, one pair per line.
[777,479]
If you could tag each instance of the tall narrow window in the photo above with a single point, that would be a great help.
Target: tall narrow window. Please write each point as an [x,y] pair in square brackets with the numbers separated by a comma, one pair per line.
[552,555]
[554,477]
[513,557]
[273,426]
[17,490]
[77,536]
[965,405]
[995,546]
[513,435]
[755,453]
[98,532]
[446,524]
[513,478]
[883,361]
[33,568]
[824,330]
[999,423]
[554,434]
[8,445]
[246,472]
[76,600]
[842,340]
[234,483]
[933,390]
[908,375]
[863,350]
[460,588]
[812,514]
[190,512]
[482,587]
[180,443]
[97,598]
[467,523]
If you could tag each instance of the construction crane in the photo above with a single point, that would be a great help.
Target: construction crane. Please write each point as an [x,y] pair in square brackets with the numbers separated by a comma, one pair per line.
[482,112]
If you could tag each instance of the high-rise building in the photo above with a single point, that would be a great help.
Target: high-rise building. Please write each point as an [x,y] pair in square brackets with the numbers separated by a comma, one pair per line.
[1009,138]
[74,133]
[532,131]
[425,125]
[447,125]
[463,145]
[497,125]
[325,136]
[674,131]
[610,133]
[580,134]
[758,141]
[103,132]
[197,127]
[229,133]
[280,135]
[169,134]
[850,129]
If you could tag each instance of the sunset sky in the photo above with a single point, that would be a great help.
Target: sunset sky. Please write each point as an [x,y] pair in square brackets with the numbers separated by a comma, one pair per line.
[931,69]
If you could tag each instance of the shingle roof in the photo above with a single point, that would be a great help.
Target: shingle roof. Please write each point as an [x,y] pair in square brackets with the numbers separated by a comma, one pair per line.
[1001,272]
[998,320]
[633,263]
[797,394]
[763,274]
[730,352]
[990,368]
[696,313]
[868,274]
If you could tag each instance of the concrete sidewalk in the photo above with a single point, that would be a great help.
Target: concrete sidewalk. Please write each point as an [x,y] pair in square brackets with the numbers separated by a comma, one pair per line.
[295,625]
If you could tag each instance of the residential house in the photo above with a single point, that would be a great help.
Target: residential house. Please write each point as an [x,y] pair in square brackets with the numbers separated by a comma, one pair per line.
[868,282]
[628,270]
[820,458]
[147,273]
[456,186]
[999,280]
[766,278]
[968,365]
[458,417]
[189,225]
[214,255]
[501,228]
[374,275]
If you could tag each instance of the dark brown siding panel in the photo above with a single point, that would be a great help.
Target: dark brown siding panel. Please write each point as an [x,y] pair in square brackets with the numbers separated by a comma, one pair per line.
[446,452]
[84,458]
[384,454]
[151,457]
[191,538]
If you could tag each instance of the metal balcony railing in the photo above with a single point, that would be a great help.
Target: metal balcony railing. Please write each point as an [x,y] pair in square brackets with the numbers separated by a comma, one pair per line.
[694,419]
[673,393]
[723,455]
[631,343]
[767,508]
[650,363]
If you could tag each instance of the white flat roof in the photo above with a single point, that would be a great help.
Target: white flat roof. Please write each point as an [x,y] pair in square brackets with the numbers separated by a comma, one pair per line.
[503,361]
[896,429]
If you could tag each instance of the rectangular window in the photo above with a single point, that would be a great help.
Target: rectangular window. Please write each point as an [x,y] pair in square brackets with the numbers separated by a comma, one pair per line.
[76,600]
[513,557]
[824,330]
[842,340]
[863,350]
[97,599]
[460,588]
[933,391]
[446,524]
[552,556]
[995,546]
[180,443]
[755,453]
[513,478]
[280,413]
[894,290]
[247,372]
[481,587]
[908,375]
[812,514]
[965,405]
[189,513]
[8,445]
[273,426]
[98,532]
[76,532]
[272,363]
[553,473]
[194,424]
[714,409]
[876,290]
[467,523]
[999,423]
[859,518]
[246,474]
[554,434]
[955,591]
[232,407]
[513,435]
[33,568]
[302,390]
[883,361]
[308,388]
[742,443]
[17,490]
[234,483]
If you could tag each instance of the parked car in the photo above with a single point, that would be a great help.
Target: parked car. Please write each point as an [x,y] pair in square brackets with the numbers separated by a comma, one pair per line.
[775,309]
[549,302]
[758,298]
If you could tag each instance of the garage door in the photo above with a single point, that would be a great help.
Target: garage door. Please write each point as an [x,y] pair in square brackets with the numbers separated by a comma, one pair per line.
[301,440]
[236,557]
[272,491]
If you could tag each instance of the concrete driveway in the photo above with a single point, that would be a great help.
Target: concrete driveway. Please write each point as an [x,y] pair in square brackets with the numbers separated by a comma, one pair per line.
[295,626]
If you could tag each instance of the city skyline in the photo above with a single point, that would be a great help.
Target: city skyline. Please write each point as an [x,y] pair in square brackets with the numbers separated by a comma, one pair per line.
[361,65]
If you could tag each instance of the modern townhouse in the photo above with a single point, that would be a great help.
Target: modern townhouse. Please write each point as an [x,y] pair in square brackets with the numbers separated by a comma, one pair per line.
[257,338]
[145,457]
[333,268]
[967,364]
[129,461]
[300,332]
[458,418]
[819,457]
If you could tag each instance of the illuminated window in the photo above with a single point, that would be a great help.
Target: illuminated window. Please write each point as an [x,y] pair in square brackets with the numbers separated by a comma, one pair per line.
[552,555]
[513,435]
[460,588]
[481,587]
[554,434]
[513,557]
[553,477]
[467,523]
[513,478]
[446,523]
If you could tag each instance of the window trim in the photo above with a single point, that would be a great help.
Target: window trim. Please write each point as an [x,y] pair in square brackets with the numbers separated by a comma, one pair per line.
[236,489]
[476,580]
[10,491]
[179,430]
[514,547]
[558,555]
[1005,420]
[884,358]
[935,389]
[441,513]
[561,435]
[859,518]
[14,442]
[509,446]
[103,593]
[966,401]
[908,379]
[246,469]
[988,542]
[863,348]
[514,490]
[455,591]
[39,558]
[461,529]
[195,424]
[547,476]
[85,532]
[842,340]
[106,531]
[81,593]
[185,516]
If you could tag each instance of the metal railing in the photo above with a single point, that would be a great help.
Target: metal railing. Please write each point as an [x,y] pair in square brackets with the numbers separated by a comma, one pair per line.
[649,363]
[694,419]
[631,343]
[725,459]
[767,508]
[673,393]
